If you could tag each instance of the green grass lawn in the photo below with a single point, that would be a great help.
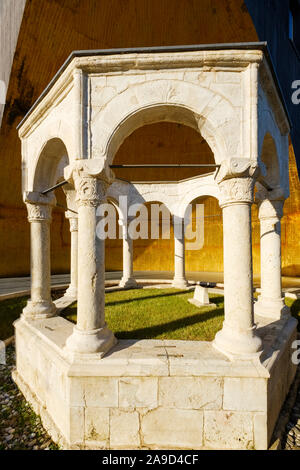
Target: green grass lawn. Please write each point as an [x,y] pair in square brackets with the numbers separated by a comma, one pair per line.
[10,310]
[146,313]
[160,314]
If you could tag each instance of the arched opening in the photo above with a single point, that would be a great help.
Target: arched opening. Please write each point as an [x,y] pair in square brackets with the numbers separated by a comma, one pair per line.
[114,244]
[49,171]
[270,159]
[156,252]
[204,249]
[50,164]
[159,143]
[163,142]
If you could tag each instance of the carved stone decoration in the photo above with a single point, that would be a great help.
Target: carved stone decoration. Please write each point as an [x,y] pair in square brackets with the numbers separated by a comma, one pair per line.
[91,179]
[236,179]
[90,190]
[38,212]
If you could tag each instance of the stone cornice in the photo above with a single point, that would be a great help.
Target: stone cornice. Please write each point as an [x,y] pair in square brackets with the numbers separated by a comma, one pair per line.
[237,59]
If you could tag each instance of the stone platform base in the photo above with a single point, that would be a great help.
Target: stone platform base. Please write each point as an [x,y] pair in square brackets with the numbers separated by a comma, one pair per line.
[197,303]
[153,394]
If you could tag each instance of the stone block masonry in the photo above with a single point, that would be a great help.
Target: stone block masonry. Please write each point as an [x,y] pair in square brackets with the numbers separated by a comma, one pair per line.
[152,394]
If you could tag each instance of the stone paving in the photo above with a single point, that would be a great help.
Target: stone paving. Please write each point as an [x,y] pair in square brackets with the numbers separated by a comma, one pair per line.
[21,428]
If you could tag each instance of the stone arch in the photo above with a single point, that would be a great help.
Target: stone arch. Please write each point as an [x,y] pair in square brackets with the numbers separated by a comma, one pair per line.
[40,140]
[206,248]
[269,156]
[166,100]
[149,193]
[210,189]
[111,200]
[50,163]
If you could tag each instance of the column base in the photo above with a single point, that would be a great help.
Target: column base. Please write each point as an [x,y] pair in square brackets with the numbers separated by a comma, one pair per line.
[71,292]
[198,303]
[180,283]
[88,342]
[238,342]
[128,283]
[39,309]
[271,308]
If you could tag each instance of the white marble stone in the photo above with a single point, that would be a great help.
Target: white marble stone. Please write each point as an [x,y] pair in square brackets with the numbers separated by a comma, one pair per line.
[90,391]
[200,298]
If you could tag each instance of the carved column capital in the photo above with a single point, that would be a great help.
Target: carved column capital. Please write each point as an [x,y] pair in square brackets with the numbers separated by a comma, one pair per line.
[270,204]
[38,212]
[39,206]
[236,179]
[90,190]
[91,179]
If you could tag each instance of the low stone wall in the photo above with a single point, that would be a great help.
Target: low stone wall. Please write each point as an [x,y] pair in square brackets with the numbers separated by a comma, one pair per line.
[153,394]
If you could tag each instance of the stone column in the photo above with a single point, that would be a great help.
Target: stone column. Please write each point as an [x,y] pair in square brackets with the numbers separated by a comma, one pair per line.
[179,280]
[271,302]
[90,335]
[236,183]
[39,210]
[127,280]
[72,289]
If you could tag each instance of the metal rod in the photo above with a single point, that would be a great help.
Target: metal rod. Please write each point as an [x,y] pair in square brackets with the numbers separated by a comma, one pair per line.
[65,208]
[58,185]
[164,165]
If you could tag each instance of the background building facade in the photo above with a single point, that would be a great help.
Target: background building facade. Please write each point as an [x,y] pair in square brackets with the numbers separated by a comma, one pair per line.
[36,38]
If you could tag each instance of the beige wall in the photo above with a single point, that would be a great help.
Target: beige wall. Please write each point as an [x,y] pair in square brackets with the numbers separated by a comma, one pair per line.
[50,30]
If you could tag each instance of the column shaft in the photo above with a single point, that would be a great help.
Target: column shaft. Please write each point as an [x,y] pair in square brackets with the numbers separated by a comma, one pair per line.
[72,289]
[127,279]
[40,305]
[179,279]
[270,302]
[91,262]
[236,180]
[90,335]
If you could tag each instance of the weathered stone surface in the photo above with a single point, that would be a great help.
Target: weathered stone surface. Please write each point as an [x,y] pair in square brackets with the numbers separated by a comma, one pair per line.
[228,430]
[138,392]
[191,392]
[96,424]
[124,429]
[172,428]
[94,391]
[260,431]
[245,394]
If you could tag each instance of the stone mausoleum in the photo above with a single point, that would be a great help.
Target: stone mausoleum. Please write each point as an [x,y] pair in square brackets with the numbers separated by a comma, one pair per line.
[90,390]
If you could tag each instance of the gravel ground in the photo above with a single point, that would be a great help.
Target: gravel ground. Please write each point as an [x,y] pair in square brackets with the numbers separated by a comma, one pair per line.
[21,428]
[291,437]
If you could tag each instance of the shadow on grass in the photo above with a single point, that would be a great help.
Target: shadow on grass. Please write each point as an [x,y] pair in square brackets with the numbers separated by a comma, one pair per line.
[154,331]
[146,297]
